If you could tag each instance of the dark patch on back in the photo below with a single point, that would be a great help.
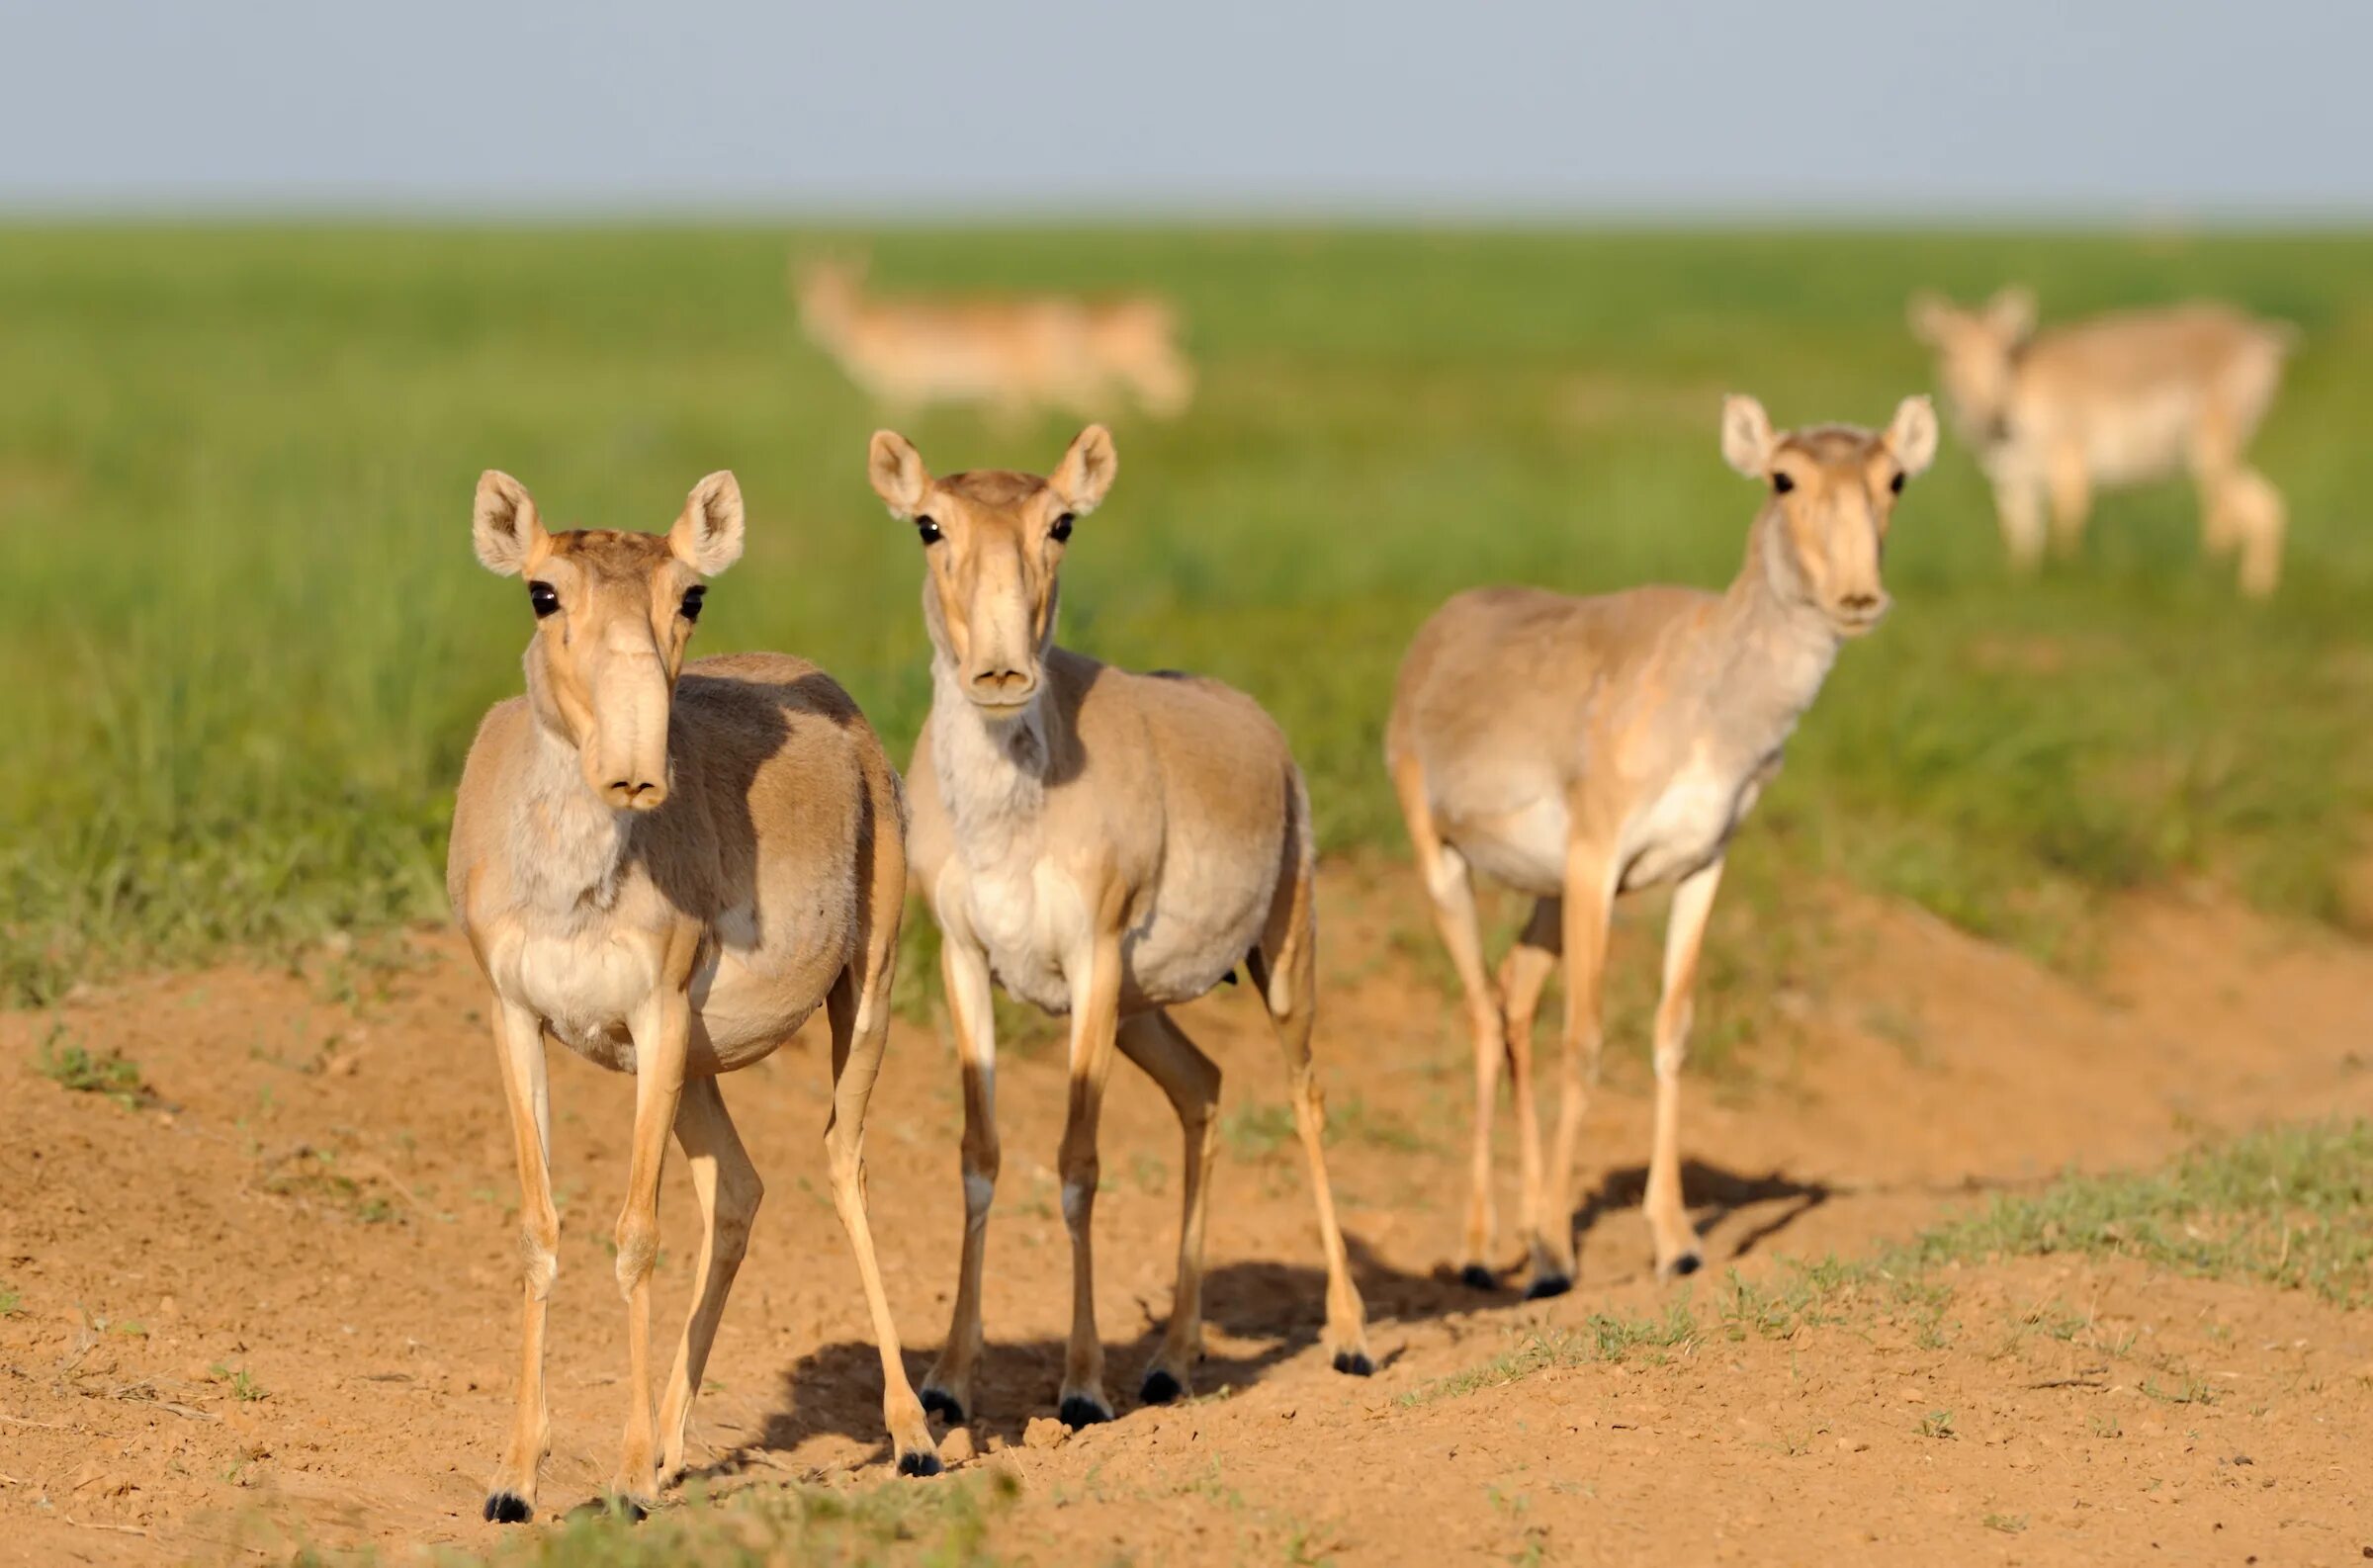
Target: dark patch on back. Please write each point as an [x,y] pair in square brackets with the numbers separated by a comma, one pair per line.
[994,486]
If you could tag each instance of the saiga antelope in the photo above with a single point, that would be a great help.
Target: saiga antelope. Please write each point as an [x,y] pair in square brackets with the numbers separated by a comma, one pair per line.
[1013,354]
[666,867]
[1578,748]
[2118,399]
[1107,845]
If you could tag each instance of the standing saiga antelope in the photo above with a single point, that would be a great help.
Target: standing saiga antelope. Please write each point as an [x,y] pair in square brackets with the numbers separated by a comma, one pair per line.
[666,867]
[1013,354]
[2118,399]
[1107,845]
[1578,748]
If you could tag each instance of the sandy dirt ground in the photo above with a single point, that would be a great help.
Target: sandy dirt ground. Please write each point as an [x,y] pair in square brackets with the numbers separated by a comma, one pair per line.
[279,1303]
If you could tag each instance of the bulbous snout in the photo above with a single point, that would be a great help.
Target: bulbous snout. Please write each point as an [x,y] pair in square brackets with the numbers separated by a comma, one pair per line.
[634,795]
[999,687]
[1857,610]
[627,762]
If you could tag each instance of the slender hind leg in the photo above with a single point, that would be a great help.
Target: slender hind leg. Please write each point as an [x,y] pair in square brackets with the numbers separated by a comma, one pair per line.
[1155,1042]
[948,1391]
[2258,523]
[1522,974]
[519,1043]
[1287,975]
[858,1007]
[728,1188]
[1454,899]
[1676,1249]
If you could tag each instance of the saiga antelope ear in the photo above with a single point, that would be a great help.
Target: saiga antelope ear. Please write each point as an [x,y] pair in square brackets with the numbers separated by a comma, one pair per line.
[1929,314]
[503,525]
[897,472]
[1911,437]
[1747,440]
[707,537]
[1084,476]
[2011,314]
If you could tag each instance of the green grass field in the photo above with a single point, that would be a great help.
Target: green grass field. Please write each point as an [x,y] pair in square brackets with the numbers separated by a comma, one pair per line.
[247,642]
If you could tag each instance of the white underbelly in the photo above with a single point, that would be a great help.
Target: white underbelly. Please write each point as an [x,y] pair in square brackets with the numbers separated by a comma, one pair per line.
[2148,441]
[1523,847]
[585,987]
[1031,921]
[1684,830]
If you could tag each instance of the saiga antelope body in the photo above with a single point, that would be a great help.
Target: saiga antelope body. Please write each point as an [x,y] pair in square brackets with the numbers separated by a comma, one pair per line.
[1577,748]
[1046,351]
[666,867]
[1107,845]
[2125,398]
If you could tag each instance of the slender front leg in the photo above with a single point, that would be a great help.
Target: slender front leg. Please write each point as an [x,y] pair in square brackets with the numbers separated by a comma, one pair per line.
[1589,901]
[1676,1249]
[1522,974]
[1095,1022]
[948,1391]
[860,1010]
[2020,510]
[661,1031]
[729,1189]
[1155,1042]
[1453,895]
[519,1048]
[2072,499]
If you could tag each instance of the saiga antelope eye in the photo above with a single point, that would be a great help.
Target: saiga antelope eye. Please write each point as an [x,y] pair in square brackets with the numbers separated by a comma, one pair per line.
[542,599]
[1782,484]
[1895,484]
[1062,529]
[692,601]
[928,529]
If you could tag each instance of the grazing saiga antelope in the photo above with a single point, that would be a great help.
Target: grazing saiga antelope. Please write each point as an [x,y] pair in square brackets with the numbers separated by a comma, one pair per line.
[1107,845]
[1578,748]
[2122,398]
[666,867]
[1014,354]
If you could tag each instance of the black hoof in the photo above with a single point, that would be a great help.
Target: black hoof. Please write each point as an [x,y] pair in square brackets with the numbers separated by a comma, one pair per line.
[631,1510]
[1548,1285]
[1353,1363]
[939,1401]
[1478,1276]
[919,1462]
[1159,1388]
[509,1508]
[1081,1410]
[1688,1264]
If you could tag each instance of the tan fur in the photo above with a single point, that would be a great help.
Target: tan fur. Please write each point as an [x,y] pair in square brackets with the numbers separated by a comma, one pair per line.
[666,867]
[1577,748]
[1053,351]
[1107,845]
[2118,399]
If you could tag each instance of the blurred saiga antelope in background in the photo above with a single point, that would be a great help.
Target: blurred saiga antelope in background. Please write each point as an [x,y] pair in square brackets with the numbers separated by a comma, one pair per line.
[2118,399]
[1578,748]
[667,867]
[1015,355]
[1107,845]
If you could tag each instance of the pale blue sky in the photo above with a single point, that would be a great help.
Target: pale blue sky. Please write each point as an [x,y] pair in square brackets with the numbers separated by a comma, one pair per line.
[2088,109]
